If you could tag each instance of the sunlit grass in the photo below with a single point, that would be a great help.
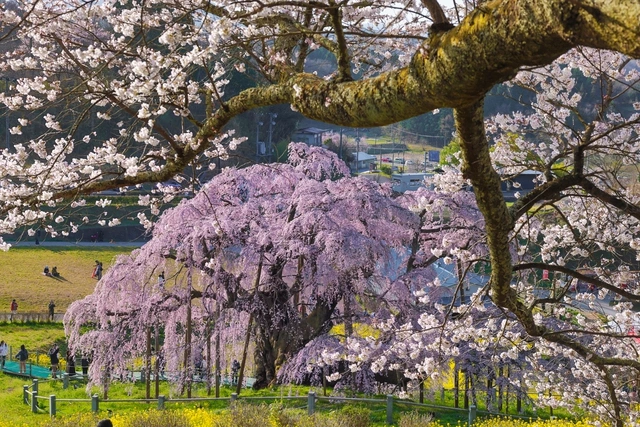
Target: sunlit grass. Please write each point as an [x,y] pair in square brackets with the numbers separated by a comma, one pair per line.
[23,280]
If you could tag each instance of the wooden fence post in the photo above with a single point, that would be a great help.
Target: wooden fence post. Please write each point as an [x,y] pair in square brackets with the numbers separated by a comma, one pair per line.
[389,409]
[161,402]
[52,405]
[25,394]
[311,403]
[472,414]
[234,397]
[65,381]
[34,399]
[95,405]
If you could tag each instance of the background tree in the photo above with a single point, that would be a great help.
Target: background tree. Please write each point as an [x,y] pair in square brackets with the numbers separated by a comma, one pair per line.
[283,244]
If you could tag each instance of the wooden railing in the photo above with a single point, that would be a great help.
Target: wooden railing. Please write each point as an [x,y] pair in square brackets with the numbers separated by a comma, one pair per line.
[31,397]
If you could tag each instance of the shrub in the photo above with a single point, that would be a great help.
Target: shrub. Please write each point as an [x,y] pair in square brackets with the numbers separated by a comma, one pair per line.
[501,422]
[350,416]
[416,419]
[289,417]
[155,418]
[245,415]
[78,420]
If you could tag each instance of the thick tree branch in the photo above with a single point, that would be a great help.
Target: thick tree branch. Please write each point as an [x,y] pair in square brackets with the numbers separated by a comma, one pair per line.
[583,277]
[456,68]
[609,199]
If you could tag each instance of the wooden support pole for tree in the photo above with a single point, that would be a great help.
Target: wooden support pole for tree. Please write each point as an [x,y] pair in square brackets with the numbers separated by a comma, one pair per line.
[105,382]
[148,365]
[456,387]
[248,334]
[208,332]
[500,374]
[324,381]
[489,397]
[244,354]
[474,398]
[157,364]
[217,369]
[467,380]
[348,331]
[187,343]
[507,393]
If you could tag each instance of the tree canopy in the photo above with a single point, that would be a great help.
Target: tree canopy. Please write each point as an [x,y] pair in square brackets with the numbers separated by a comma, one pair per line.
[133,68]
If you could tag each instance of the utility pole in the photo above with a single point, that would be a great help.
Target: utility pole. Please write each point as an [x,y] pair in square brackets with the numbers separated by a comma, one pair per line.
[272,122]
[6,113]
[258,140]
[357,150]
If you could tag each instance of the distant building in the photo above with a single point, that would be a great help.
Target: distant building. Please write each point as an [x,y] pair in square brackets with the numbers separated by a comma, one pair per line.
[363,162]
[310,136]
[402,182]
[519,184]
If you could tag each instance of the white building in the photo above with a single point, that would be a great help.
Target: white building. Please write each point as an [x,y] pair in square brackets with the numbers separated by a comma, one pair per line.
[402,182]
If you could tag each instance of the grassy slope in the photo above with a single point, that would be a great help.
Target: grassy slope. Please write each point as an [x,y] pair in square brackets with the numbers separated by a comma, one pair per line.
[37,337]
[23,280]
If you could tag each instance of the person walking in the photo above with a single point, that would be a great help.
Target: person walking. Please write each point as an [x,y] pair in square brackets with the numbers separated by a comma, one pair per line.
[4,351]
[23,356]
[52,307]
[14,309]
[53,356]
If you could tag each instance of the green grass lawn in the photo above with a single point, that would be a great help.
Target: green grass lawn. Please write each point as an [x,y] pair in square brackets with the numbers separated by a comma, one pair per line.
[36,337]
[23,280]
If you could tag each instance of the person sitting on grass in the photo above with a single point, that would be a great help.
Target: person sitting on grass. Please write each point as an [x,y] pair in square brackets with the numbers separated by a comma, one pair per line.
[54,272]
[46,271]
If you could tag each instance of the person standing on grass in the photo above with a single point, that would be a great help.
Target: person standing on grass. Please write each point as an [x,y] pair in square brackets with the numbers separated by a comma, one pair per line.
[14,309]
[161,280]
[53,355]
[52,307]
[23,356]
[4,351]
[97,270]
[71,363]
[235,367]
